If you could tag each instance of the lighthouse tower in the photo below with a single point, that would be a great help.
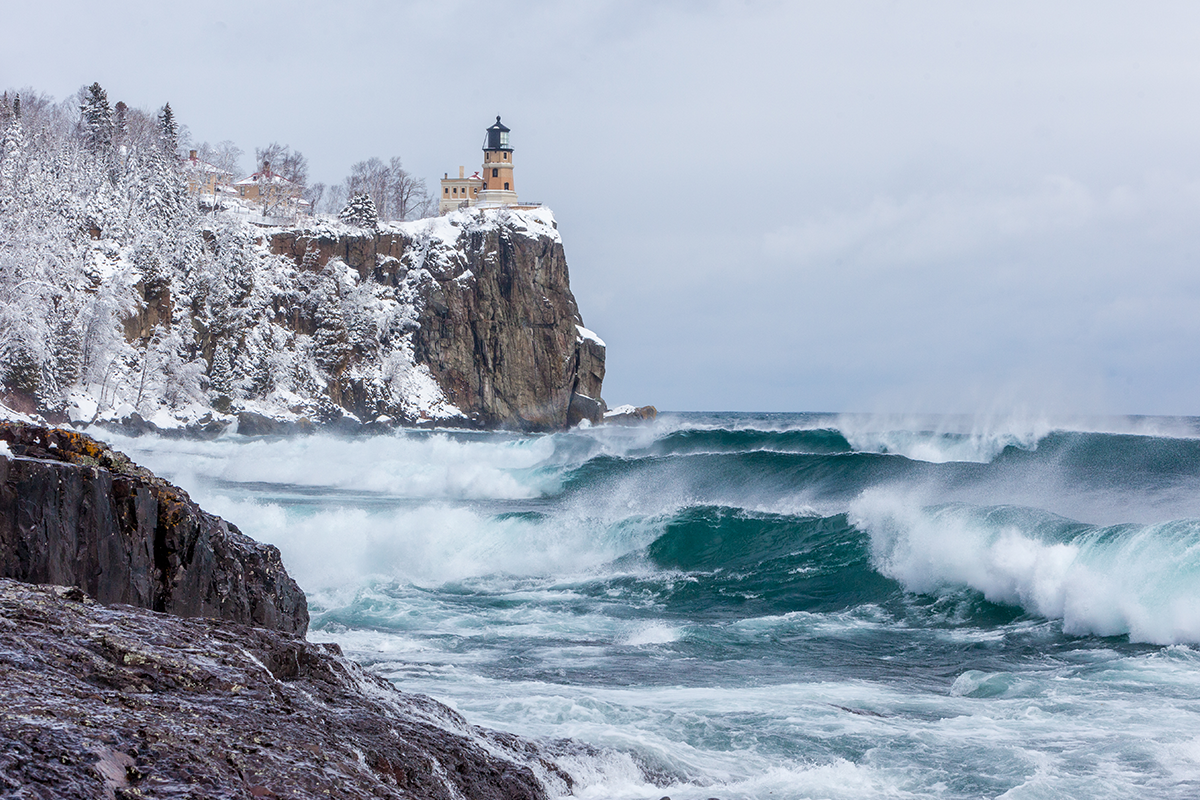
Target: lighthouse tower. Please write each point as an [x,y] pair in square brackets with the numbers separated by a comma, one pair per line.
[498,186]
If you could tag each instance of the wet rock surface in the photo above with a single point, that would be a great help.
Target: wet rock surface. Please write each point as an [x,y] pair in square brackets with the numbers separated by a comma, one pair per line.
[74,512]
[118,702]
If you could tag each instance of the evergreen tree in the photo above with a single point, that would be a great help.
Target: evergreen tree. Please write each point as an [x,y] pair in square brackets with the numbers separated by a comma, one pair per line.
[360,211]
[221,373]
[11,152]
[161,189]
[169,131]
[97,121]
[120,123]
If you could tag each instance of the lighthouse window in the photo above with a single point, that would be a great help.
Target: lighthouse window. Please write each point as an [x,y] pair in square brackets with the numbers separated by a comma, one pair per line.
[506,156]
[447,191]
[495,173]
[506,186]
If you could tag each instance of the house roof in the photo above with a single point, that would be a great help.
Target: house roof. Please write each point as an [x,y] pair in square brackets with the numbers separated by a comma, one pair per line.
[196,165]
[264,176]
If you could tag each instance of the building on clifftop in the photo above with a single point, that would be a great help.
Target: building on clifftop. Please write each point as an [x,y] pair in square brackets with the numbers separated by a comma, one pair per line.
[278,196]
[459,192]
[494,186]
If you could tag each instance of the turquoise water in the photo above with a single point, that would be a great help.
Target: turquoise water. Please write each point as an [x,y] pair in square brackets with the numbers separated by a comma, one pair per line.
[751,606]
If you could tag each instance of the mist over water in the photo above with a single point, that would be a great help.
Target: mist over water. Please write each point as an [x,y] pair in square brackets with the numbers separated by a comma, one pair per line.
[746,606]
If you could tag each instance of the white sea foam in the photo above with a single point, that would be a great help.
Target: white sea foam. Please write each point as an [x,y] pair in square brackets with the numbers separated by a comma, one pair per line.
[945,438]
[650,633]
[980,438]
[437,465]
[1136,580]
[427,544]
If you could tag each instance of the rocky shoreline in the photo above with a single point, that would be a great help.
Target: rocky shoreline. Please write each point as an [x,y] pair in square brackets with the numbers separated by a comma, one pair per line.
[118,702]
[149,649]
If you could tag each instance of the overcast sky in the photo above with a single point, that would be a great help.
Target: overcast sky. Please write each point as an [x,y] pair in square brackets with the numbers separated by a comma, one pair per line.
[901,206]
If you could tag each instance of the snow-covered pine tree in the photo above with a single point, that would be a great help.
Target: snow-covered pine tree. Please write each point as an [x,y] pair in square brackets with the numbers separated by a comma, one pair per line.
[97,122]
[161,188]
[169,131]
[331,339]
[11,150]
[360,211]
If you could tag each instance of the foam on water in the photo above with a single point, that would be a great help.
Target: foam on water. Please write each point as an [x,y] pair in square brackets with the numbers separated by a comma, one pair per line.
[690,599]
[1140,580]
[415,465]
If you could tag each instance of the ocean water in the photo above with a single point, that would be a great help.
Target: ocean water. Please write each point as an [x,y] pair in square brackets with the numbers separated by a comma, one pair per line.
[764,606]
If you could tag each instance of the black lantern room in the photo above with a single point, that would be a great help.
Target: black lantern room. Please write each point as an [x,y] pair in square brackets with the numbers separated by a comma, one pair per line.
[497,137]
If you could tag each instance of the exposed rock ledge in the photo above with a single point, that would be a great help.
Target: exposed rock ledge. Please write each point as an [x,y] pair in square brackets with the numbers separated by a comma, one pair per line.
[119,702]
[75,513]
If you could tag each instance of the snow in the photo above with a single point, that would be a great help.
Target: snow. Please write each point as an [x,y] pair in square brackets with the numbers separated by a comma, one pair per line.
[4,451]
[586,335]
[625,409]
[11,415]
[81,407]
[529,222]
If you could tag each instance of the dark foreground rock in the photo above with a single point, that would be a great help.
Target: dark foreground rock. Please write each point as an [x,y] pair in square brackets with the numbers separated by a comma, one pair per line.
[118,702]
[74,512]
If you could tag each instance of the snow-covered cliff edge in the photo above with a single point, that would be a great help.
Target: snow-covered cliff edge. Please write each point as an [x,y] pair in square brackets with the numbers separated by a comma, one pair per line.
[466,319]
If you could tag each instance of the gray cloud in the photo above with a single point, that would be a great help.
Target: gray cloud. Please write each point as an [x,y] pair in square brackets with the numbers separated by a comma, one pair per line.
[937,206]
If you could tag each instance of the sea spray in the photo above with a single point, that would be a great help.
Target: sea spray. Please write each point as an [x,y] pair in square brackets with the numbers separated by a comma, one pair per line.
[1140,580]
[747,606]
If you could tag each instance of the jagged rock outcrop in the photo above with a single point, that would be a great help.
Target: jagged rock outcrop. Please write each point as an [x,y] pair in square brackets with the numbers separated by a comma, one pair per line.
[494,323]
[116,702]
[74,512]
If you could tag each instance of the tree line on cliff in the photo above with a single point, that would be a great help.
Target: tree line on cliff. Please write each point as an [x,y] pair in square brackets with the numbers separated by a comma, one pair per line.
[114,288]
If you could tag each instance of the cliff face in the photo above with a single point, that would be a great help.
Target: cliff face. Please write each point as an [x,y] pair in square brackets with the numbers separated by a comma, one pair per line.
[493,320]
[75,513]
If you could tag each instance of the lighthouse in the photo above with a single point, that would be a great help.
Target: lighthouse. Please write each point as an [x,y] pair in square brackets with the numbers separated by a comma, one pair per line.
[499,189]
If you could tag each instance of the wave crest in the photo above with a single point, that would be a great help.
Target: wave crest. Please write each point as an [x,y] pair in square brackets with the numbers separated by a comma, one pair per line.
[1140,580]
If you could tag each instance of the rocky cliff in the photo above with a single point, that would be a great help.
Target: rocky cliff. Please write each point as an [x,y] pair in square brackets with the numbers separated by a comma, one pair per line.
[462,320]
[75,513]
[493,320]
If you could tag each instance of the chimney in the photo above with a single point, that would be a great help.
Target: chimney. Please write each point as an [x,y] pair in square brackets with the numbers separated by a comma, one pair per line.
[460,172]
[192,155]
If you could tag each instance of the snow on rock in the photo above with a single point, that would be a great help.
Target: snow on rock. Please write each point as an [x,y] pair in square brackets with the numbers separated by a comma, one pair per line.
[588,336]
[11,415]
[620,411]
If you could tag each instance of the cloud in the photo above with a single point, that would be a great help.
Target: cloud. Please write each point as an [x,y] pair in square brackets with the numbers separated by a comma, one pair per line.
[923,228]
